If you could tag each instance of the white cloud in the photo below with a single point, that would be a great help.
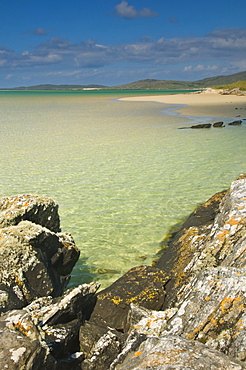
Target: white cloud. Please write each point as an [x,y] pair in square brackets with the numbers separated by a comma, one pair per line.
[125,10]
[213,53]
[200,68]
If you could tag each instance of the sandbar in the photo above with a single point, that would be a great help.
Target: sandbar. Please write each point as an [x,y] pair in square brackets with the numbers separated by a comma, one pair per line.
[205,103]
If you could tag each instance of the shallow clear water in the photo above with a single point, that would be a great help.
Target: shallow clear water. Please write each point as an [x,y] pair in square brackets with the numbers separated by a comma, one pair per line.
[122,172]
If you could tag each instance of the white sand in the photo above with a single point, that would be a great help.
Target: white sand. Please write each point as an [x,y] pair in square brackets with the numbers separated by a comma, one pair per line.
[207,103]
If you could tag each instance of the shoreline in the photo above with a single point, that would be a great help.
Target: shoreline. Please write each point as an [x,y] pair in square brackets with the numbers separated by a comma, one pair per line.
[202,104]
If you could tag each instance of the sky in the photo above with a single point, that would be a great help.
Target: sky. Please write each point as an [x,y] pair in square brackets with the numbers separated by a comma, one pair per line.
[113,42]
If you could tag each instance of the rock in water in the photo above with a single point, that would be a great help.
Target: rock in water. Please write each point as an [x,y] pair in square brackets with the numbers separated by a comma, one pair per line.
[201,125]
[218,124]
[235,123]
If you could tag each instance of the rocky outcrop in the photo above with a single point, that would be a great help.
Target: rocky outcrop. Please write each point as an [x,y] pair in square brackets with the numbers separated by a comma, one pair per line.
[174,352]
[204,308]
[34,262]
[44,334]
[39,210]
[186,312]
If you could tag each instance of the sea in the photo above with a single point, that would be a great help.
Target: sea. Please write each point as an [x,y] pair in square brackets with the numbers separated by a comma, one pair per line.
[124,173]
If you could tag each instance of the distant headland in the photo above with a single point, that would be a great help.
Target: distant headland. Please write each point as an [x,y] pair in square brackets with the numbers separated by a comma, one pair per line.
[237,80]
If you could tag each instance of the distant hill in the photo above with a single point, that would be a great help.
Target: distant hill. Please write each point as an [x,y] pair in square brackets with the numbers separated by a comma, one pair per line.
[57,87]
[215,82]
[171,84]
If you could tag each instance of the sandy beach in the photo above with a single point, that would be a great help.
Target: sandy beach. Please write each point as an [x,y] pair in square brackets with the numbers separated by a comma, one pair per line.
[206,103]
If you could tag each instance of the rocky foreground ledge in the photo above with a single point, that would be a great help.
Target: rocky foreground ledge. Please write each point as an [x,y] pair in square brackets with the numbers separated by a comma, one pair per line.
[186,312]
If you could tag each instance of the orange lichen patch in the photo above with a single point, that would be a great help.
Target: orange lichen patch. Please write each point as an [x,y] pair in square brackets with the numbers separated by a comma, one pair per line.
[146,294]
[114,299]
[21,328]
[240,207]
[231,303]
[232,221]
[26,204]
[226,304]
[191,336]
[223,234]
[137,354]
[214,322]
[207,298]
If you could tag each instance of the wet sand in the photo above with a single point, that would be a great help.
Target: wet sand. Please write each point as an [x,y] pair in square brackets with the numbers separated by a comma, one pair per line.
[207,103]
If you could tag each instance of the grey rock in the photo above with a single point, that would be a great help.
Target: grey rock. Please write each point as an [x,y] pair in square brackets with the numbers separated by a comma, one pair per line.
[212,311]
[173,352]
[202,246]
[34,262]
[39,210]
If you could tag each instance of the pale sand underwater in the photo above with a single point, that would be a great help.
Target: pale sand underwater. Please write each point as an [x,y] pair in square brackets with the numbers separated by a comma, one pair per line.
[121,171]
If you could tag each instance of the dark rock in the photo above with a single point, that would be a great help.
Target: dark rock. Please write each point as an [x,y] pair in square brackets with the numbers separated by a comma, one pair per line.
[202,125]
[39,210]
[34,262]
[100,344]
[219,124]
[235,123]
[142,285]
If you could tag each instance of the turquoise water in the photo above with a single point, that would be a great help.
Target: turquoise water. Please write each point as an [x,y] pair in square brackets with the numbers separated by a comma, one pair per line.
[122,172]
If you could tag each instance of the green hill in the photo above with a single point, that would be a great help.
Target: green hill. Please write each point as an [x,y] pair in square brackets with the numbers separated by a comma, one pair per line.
[57,87]
[171,84]
[218,81]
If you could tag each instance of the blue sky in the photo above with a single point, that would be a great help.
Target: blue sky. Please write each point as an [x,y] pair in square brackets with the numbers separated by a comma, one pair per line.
[113,42]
